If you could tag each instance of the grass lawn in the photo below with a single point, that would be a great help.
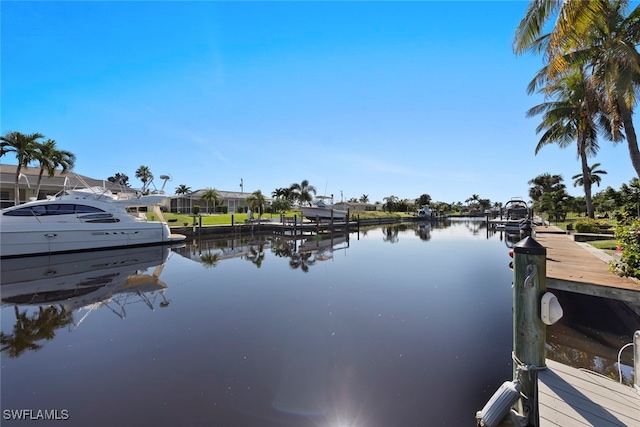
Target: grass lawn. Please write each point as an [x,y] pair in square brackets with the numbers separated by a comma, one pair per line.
[572,217]
[611,244]
[225,219]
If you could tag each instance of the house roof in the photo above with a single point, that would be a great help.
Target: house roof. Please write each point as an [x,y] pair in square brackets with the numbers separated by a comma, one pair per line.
[223,194]
[8,178]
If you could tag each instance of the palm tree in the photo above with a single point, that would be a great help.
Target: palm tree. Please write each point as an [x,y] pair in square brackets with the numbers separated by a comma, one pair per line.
[599,35]
[593,176]
[257,202]
[572,117]
[211,195]
[572,17]
[144,174]
[613,57]
[302,192]
[473,200]
[286,193]
[545,183]
[364,198]
[180,189]
[50,158]
[119,178]
[554,202]
[391,202]
[424,199]
[25,147]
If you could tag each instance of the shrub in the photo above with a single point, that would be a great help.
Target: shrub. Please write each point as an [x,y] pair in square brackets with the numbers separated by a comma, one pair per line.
[196,209]
[588,225]
[222,209]
[629,238]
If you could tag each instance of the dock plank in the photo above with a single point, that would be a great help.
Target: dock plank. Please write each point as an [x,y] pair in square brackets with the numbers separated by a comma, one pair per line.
[572,267]
[570,397]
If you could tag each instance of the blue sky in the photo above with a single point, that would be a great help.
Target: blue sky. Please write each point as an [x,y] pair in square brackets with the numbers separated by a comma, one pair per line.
[376,98]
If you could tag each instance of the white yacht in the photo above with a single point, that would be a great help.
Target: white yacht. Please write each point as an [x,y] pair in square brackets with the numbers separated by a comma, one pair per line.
[79,220]
[424,212]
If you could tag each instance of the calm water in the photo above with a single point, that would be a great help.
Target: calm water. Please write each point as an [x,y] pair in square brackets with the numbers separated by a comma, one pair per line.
[405,325]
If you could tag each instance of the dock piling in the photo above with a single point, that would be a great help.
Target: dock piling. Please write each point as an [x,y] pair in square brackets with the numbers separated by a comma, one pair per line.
[529,332]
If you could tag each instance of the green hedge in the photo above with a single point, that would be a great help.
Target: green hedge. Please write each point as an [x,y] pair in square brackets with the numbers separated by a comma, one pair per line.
[588,225]
[629,238]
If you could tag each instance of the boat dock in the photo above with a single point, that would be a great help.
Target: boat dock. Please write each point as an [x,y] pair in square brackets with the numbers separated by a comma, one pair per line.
[570,397]
[580,268]
[559,395]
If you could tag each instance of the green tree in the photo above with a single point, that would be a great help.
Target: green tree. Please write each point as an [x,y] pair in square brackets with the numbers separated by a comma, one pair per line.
[391,203]
[544,183]
[364,198]
[286,193]
[143,173]
[281,204]
[610,51]
[119,178]
[555,203]
[423,200]
[593,176]
[302,192]
[571,117]
[473,201]
[183,189]
[599,35]
[211,195]
[257,202]
[25,148]
[50,158]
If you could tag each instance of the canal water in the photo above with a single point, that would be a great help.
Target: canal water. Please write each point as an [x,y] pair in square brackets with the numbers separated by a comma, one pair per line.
[400,325]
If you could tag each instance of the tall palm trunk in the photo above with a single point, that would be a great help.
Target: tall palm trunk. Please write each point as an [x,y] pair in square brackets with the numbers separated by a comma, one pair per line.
[39,181]
[630,133]
[586,176]
[16,197]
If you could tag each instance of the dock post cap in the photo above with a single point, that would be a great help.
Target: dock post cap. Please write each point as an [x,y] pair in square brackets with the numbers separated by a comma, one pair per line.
[529,246]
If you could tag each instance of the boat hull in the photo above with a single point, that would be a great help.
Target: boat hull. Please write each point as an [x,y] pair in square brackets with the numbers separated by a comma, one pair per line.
[323,214]
[39,239]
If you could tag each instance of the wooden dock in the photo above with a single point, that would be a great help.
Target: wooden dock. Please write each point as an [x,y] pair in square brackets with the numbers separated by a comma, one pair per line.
[560,395]
[569,397]
[574,268]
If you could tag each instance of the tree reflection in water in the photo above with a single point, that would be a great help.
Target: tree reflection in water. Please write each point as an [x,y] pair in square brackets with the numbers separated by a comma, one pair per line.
[40,325]
[390,234]
[255,255]
[302,261]
[210,259]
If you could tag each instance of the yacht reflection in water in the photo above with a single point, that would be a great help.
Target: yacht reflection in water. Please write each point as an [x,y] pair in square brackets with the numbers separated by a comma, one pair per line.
[47,291]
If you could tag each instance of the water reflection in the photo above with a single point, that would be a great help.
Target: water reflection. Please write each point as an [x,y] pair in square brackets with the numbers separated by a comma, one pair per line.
[47,291]
[414,333]
[302,251]
[424,230]
[591,333]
